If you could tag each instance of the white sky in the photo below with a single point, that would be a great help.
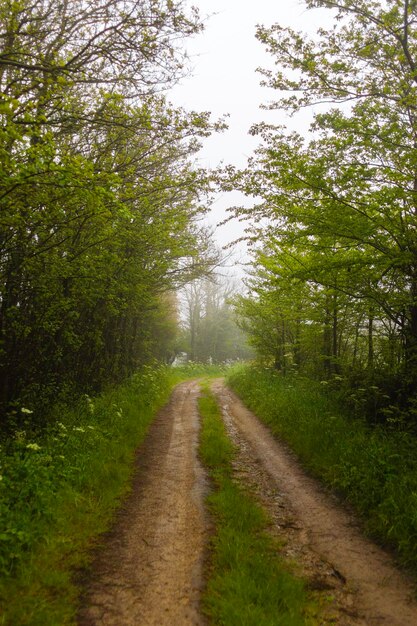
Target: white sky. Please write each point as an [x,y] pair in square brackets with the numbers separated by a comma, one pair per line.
[224,81]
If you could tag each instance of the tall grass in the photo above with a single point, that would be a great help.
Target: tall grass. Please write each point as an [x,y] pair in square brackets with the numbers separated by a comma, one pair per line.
[375,469]
[248,584]
[58,493]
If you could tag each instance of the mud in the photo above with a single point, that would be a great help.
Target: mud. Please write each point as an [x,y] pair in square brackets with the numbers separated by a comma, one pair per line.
[357,581]
[149,572]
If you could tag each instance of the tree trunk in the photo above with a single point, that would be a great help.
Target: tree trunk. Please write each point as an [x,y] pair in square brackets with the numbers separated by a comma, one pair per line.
[370,341]
[327,342]
[411,349]
[335,336]
[356,341]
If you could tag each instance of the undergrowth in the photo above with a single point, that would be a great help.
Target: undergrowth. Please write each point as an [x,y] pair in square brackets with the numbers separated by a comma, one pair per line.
[193,370]
[248,584]
[375,469]
[58,493]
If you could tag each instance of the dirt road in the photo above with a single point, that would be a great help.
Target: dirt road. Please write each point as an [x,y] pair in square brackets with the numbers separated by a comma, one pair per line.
[325,539]
[150,570]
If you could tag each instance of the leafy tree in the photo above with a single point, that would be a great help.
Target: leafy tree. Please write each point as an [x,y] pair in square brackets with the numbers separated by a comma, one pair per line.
[100,204]
[341,203]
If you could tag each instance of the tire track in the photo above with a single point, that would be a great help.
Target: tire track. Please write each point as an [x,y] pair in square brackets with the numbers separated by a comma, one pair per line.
[322,537]
[150,571]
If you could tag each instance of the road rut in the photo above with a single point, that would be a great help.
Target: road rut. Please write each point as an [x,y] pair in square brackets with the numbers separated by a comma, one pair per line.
[375,591]
[150,571]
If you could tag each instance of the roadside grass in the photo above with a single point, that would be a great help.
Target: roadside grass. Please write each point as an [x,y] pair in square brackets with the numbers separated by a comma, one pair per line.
[59,492]
[375,469]
[249,584]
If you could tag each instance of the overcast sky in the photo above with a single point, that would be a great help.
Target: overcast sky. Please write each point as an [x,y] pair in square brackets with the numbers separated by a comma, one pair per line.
[224,79]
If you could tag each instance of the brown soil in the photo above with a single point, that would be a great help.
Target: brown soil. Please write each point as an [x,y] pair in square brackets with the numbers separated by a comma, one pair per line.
[150,570]
[357,580]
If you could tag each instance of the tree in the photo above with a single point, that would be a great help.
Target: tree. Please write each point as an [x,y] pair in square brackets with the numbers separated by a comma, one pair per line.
[343,202]
[100,205]
[211,334]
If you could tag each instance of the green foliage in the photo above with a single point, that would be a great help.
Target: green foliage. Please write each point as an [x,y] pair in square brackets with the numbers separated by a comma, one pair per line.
[58,493]
[248,583]
[99,200]
[275,321]
[335,208]
[375,469]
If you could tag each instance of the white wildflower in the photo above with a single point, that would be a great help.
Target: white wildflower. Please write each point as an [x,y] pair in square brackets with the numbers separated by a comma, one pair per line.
[33,446]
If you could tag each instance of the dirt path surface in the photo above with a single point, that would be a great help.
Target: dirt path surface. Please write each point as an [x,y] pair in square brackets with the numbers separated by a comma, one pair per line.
[362,580]
[150,571]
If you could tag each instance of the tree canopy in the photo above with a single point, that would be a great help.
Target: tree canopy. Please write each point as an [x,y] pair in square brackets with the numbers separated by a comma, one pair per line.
[100,201]
[337,212]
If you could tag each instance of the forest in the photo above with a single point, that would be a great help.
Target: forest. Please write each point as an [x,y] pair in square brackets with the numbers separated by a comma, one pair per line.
[118,316]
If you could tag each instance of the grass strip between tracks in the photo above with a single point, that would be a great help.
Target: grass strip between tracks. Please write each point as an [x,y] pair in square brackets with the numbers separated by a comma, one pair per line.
[248,585]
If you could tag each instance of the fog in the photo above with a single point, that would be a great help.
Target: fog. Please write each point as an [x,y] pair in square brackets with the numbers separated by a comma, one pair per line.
[224,81]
